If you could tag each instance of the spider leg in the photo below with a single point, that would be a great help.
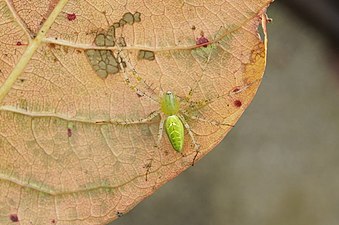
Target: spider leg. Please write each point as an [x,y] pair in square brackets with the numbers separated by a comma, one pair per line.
[160,131]
[196,145]
[213,122]
[130,121]
[124,63]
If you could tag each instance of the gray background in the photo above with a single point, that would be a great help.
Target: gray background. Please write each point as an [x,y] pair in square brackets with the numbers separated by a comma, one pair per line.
[280,164]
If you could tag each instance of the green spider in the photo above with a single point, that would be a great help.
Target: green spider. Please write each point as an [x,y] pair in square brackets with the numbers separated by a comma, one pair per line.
[173,120]
[171,112]
[174,123]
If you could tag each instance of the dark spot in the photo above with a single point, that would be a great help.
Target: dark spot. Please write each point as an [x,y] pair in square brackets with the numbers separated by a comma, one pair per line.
[22,80]
[193,27]
[236,89]
[71,16]
[14,218]
[53,221]
[124,64]
[69,132]
[139,95]
[120,214]
[42,21]
[51,45]
[202,40]
[56,38]
[78,51]
[148,169]
[19,43]
[238,103]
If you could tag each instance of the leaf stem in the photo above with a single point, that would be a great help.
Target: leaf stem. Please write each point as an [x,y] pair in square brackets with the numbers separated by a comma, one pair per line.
[30,50]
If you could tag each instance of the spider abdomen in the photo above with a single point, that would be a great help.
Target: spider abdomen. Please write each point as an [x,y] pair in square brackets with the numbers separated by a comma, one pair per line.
[175,132]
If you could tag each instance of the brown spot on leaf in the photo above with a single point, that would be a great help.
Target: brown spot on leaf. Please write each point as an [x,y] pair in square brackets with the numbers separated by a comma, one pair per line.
[51,45]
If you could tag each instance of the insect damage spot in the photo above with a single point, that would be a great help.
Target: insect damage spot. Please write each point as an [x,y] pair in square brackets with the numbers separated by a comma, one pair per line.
[103,62]
[148,55]
[129,18]
[104,40]
[121,42]
[238,103]
[122,22]
[116,25]
[14,218]
[137,17]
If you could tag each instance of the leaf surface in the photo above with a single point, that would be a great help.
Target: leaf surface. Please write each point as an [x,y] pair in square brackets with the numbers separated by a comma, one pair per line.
[72,72]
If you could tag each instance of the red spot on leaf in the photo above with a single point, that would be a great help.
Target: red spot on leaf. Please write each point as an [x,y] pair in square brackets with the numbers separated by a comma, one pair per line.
[71,16]
[14,218]
[69,132]
[238,103]
[19,43]
[202,40]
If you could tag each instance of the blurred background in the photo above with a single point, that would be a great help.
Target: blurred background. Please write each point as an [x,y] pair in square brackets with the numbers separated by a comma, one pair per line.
[280,164]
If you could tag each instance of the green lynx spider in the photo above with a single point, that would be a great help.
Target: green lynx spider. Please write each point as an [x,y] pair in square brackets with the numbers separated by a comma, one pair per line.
[172,115]
[174,122]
